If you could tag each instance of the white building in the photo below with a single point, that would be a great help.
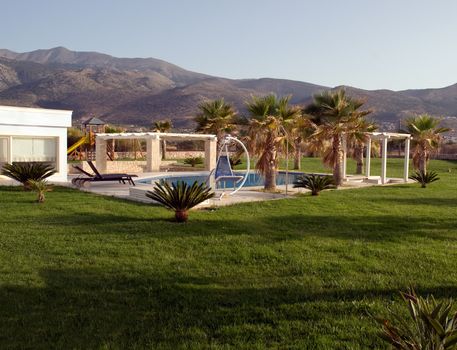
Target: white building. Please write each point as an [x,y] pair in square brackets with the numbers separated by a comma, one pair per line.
[35,135]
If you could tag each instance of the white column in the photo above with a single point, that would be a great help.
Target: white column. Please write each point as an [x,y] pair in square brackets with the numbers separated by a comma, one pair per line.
[384,161]
[345,155]
[368,158]
[10,149]
[153,156]
[210,154]
[100,154]
[406,165]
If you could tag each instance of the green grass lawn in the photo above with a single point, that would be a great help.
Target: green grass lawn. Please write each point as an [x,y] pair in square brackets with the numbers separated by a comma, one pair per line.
[89,272]
[308,164]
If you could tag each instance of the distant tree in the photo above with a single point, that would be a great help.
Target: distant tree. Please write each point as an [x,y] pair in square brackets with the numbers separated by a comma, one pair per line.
[426,137]
[216,117]
[357,139]
[269,116]
[163,126]
[299,130]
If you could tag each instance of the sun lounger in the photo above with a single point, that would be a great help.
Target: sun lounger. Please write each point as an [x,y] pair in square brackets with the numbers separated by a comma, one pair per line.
[98,177]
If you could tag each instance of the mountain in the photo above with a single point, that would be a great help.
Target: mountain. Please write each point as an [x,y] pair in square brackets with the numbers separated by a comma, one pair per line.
[135,91]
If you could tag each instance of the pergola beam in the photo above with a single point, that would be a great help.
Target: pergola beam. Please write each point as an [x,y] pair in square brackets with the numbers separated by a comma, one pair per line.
[153,157]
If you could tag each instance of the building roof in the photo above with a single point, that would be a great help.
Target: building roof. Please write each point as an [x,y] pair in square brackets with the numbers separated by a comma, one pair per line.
[94,121]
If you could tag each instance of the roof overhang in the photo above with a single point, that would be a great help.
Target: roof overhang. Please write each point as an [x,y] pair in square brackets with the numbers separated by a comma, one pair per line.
[155,135]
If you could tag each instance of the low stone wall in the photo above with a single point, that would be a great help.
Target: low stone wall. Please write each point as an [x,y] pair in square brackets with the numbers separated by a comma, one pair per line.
[169,154]
[137,166]
[184,154]
[443,156]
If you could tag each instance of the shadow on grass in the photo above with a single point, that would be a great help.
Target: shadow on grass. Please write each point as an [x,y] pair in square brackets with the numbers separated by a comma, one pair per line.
[265,228]
[86,309]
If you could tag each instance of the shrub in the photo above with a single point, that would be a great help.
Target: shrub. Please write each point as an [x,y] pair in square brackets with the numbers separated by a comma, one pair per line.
[430,327]
[40,187]
[235,161]
[315,183]
[23,172]
[193,161]
[180,197]
[424,178]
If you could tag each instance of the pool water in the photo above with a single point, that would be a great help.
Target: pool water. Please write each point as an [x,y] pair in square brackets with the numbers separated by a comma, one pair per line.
[254,179]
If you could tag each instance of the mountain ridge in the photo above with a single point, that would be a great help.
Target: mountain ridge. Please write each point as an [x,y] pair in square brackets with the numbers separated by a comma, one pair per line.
[135,91]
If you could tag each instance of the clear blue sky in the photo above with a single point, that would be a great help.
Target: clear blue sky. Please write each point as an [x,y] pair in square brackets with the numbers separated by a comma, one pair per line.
[395,44]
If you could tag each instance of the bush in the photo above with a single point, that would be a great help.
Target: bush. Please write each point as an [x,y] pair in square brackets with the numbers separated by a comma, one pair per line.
[235,161]
[193,161]
[180,197]
[430,326]
[424,178]
[315,183]
[40,187]
[24,172]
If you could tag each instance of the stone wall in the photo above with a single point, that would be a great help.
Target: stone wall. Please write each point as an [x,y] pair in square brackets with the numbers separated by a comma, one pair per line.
[138,166]
[170,154]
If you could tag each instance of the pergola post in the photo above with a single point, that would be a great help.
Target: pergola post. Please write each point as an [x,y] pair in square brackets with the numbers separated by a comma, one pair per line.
[384,161]
[406,164]
[100,154]
[210,153]
[345,154]
[153,156]
[368,158]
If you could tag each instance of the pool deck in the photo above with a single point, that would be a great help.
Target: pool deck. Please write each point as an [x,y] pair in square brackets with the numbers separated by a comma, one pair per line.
[136,193]
[251,194]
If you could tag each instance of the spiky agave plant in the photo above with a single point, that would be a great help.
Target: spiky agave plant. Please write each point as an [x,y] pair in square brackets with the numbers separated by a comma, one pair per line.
[431,325]
[424,177]
[23,172]
[40,187]
[315,183]
[193,161]
[180,197]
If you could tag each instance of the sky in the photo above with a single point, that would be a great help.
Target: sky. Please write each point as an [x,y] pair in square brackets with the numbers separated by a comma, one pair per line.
[370,44]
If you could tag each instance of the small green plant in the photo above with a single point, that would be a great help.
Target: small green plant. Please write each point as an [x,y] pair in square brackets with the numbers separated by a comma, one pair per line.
[180,197]
[40,187]
[193,161]
[235,161]
[315,183]
[424,178]
[430,327]
[23,172]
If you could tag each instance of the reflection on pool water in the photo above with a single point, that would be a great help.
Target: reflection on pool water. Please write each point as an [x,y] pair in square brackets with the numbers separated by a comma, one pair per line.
[254,179]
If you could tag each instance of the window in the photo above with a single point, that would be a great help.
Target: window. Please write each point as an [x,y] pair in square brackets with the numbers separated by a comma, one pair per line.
[28,149]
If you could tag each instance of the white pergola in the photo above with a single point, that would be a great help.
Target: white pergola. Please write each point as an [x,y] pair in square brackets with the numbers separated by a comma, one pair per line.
[153,139]
[384,137]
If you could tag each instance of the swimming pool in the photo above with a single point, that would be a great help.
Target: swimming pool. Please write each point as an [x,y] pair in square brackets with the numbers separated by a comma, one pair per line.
[254,179]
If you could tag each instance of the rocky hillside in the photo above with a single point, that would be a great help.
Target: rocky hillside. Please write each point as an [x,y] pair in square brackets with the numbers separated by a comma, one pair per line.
[135,91]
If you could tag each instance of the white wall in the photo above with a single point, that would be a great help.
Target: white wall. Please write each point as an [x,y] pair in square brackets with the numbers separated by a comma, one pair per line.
[20,121]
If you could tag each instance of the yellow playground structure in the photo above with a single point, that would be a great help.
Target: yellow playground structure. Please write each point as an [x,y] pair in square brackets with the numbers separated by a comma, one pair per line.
[84,148]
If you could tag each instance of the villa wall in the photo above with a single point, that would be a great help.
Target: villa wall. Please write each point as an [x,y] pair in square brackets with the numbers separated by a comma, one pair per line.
[26,132]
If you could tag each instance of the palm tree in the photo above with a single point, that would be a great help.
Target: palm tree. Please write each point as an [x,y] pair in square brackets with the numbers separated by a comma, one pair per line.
[162,126]
[269,117]
[216,117]
[335,114]
[426,137]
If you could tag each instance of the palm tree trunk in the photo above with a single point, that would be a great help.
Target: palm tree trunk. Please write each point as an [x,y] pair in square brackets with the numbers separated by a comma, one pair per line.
[338,164]
[297,154]
[423,161]
[164,149]
[270,171]
[358,155]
